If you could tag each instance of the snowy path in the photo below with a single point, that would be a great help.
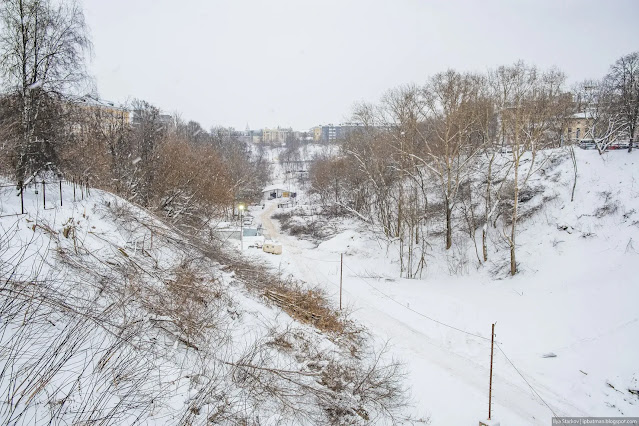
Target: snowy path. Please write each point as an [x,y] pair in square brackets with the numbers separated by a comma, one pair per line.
[448,386]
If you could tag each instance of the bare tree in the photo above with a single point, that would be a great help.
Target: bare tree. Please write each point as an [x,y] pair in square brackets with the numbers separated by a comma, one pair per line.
[623,79]
[42,49]
[403,112]
[149,131]
[598,112]
[532,107]
[372,155]
[450,99]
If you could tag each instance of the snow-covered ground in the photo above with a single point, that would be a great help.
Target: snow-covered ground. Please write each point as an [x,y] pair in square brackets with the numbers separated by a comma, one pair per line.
[575,297]
[568,321]
[111,316]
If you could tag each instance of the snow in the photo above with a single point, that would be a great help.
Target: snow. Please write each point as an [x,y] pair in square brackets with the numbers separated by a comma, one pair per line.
[576,297]
[136,256]
[35,85]
[274,187]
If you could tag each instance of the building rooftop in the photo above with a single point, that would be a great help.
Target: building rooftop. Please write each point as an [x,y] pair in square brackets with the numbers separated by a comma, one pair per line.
[275,187]
[95,101]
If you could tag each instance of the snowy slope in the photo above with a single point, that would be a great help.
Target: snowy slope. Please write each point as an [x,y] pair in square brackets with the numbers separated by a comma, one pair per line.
[110,316]
[575,297]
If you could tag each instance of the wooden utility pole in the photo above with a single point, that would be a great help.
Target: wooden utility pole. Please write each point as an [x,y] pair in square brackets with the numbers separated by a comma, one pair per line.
[490,386]
[21,197]
[341,270]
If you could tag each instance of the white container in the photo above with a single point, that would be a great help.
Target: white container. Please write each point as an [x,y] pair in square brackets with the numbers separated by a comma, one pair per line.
[272,248]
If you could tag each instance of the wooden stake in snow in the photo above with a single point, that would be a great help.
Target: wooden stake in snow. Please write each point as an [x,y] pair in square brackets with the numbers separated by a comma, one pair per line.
[490,386]
[341,269]
[60,193]
[21,197]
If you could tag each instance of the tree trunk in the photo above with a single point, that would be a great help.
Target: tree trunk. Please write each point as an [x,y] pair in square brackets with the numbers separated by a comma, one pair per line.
[449,231]
[487,212]
[513,227]
[574,164]
[484,243]
[399,209]
[513,262]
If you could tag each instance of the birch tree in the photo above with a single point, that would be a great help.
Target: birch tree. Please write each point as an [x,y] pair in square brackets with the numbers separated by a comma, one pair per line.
[530,113]
[449,151]
[404,109]
[596,106]
[42,50]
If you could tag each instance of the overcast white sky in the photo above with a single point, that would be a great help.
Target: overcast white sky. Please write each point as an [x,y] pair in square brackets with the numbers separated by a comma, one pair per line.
[301,63]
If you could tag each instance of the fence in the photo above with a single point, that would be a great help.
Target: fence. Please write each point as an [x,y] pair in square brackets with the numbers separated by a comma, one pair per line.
[38,190]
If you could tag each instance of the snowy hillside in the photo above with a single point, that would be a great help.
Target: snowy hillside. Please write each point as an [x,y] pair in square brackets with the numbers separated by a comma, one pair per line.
[566,324]
[110,316]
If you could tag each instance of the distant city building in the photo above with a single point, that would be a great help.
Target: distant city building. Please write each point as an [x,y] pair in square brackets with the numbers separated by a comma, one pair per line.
[108,114]
[166,119]
[250,136]
[579,127]
[277,136]
[107,108]
[346,129]
[281,135]
[316,132]
[331,133]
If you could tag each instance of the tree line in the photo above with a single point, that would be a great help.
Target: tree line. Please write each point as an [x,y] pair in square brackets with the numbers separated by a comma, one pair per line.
[458,151]
[158,161]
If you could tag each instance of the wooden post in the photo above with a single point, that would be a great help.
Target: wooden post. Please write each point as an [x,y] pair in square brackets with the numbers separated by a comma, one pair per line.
[60,192]
[341,270]
[22,196]
[44,195]
[490,386]
[74,190]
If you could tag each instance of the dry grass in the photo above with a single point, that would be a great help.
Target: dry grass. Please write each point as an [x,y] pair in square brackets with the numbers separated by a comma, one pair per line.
[186,299]
[309,306]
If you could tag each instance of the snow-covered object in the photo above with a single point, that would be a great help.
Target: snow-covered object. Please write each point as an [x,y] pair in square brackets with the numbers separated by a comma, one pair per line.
[272,248]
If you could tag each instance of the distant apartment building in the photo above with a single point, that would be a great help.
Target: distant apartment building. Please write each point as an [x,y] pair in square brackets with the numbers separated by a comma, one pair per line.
[167,120]
[277,136]
[578,127]
[108,109]
[345,129]
[108,114]
[316,133]
[331,133]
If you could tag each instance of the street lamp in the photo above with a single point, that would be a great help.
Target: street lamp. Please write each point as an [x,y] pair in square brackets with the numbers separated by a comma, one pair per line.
[241,207]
